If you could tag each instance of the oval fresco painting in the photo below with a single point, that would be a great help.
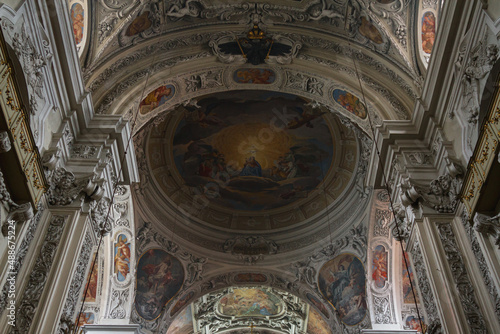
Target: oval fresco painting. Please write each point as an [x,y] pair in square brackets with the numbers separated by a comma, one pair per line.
[159,278]
[156,98]
[350,102]
[181,302]
[254,76]
[319,305]
[77,21]
[122,257]
[379,266]
[252,150]
[316,324]
[250,302]
[342,282]
[428,31]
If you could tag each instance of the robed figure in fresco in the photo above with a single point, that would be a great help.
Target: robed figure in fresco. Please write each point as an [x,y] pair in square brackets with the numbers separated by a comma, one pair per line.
[251,168]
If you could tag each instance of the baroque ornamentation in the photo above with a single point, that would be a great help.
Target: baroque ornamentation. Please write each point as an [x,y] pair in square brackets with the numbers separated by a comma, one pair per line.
[442,194]
[292,316]
[65,187]
[382,221]
[383,310]
[100,215]
[118,299]
[18,212]
[205,80]
[5,144]
[38,277]
[75,288]
[488,225]
[84,151]
[462,280]
[21,251]
[479,63]
[146,236]
[32,62]
[304,83]
[250,249]
[305,271]
[481,261]
[132,80]
[425,287]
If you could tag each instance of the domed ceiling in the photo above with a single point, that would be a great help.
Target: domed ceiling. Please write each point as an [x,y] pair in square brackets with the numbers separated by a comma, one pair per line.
[243,159]
[249,161]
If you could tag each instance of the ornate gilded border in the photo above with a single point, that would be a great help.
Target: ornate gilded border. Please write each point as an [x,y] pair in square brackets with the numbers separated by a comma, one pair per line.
[17,119]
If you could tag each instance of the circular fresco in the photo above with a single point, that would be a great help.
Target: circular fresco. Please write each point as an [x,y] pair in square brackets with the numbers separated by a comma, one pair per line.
[159,278]
[252,151]
[342,282]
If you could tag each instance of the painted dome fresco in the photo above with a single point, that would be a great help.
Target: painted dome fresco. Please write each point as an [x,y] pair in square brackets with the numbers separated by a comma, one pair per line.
[243,159]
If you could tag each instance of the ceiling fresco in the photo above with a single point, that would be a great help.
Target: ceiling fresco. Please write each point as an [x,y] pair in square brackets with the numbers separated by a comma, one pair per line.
[253,151]
[254,154]
[316,324]
[250,302]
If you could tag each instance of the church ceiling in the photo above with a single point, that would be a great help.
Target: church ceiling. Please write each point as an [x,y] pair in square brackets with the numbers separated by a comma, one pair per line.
[134,47]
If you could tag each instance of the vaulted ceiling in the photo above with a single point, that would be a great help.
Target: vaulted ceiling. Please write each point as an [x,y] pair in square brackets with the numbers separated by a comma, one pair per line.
[240,159]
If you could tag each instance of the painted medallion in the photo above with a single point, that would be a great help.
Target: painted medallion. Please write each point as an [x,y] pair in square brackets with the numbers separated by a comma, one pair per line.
[159,278]
[342,282]
[350,102]
[156,98]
